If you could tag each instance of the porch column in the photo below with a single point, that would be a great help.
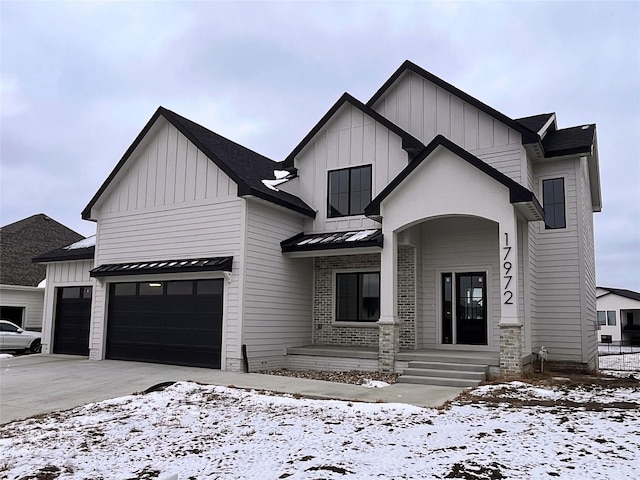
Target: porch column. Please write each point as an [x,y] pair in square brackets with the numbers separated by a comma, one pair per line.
[510,324]
[389,333]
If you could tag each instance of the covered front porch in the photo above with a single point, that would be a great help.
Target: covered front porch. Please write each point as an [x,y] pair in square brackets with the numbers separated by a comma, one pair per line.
[445,273]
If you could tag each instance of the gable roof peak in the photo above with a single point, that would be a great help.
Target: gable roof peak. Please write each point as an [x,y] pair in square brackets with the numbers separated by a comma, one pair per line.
[242,165]
[409,143]
[528,135]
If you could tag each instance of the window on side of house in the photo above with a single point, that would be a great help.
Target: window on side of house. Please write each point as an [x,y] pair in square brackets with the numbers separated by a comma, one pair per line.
[602,317]
[358,297]
[553,203]
[611,317]
[349,191]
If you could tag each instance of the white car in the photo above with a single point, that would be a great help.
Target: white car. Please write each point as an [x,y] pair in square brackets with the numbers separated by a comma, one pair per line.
[12,337]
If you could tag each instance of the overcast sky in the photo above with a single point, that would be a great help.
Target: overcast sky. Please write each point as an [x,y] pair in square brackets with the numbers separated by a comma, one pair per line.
[80,80]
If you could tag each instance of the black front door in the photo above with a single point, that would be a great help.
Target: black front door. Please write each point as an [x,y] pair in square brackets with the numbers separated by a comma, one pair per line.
[471,308]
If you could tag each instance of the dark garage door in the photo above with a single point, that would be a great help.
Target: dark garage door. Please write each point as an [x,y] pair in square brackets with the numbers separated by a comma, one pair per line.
[73,315]
[176,322]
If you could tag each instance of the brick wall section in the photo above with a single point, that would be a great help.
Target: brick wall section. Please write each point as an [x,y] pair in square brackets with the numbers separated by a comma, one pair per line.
[325,331]
[511,350]
[407,296]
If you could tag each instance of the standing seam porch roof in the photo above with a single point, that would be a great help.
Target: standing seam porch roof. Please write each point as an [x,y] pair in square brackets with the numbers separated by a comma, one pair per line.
[245,167]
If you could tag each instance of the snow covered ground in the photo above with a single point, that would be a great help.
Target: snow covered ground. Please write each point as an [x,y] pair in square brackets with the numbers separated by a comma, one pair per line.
[629,362]
[510,431]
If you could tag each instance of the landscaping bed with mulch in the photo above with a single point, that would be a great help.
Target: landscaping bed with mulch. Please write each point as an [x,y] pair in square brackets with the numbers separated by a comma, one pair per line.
[354,377]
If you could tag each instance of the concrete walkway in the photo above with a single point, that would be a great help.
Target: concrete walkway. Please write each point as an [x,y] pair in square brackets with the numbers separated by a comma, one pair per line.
[36,384]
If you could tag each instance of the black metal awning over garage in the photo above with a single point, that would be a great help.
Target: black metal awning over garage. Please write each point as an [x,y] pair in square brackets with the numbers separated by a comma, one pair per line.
[214,264]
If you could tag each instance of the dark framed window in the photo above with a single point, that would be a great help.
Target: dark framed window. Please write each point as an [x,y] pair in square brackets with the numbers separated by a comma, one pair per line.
[553,203]
[358,297]
[611,317]
[180,287]
[151,288]
[349,191]
[124,289]
[602,317]
[71,292]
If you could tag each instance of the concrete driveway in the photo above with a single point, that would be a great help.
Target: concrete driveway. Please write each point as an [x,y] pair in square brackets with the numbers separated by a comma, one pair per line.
[36,384]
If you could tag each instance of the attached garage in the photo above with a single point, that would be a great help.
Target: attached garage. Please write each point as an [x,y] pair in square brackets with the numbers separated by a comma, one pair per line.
[173,322]
[72,320]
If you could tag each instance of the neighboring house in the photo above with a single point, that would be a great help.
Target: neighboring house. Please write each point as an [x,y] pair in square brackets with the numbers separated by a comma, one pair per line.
[618,316]
[21,292]
[408,226]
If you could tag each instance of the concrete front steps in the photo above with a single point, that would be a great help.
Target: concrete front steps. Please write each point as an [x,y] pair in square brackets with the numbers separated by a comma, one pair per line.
[455,370]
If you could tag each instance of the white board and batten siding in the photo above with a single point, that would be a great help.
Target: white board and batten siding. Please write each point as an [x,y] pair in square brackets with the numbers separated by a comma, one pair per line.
[558,312]
[588,265]
[74,273]
[30,299]
[425,110]
[350,139]
[171,202]
[277,290]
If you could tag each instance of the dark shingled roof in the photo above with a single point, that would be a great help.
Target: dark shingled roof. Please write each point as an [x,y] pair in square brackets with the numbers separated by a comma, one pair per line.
[535,122]
[65,254]
[23,240]
[245,167]
[623,293]
[569,141]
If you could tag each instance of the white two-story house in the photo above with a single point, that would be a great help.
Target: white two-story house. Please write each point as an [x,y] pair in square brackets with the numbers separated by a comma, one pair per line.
[421,225]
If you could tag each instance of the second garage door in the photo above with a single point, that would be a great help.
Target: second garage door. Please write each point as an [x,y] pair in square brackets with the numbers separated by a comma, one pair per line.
[73,316]
[176,322]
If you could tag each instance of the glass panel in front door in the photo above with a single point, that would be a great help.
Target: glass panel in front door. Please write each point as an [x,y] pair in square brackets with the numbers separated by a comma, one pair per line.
[471,309]
[447,308]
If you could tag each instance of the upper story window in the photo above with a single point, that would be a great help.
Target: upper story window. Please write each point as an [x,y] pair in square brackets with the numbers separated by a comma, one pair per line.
[553,203]
[349,191]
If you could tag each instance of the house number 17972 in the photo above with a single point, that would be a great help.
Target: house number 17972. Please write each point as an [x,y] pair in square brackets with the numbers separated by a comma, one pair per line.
[507,294]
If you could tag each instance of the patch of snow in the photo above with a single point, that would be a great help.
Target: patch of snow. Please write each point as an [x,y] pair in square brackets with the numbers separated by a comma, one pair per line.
[525,391]
[273,184]
[280,174]
[629,362]
[5,355]
[375,384]
[361,235]
[87,242]
[43,284]
[199,431]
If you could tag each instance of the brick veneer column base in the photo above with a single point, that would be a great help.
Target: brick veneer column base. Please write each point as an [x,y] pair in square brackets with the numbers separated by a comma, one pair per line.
[511,350]
[389,336]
